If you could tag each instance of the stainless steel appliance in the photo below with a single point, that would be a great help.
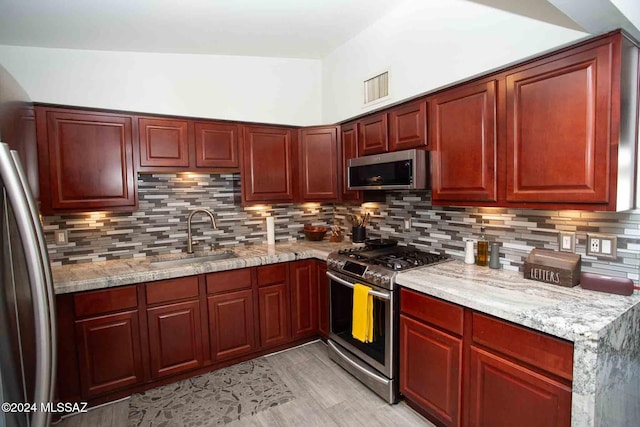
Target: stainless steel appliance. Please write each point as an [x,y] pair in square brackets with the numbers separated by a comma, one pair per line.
[375,265]
[399,170]
[27,319]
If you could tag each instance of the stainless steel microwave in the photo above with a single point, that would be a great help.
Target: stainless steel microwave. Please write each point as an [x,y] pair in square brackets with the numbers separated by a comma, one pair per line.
[399,170]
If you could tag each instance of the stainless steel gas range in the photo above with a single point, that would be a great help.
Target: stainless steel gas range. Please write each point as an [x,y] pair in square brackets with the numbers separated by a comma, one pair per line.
[375,265]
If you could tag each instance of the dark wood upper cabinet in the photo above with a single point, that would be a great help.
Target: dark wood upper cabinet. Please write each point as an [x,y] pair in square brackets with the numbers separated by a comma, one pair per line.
[86,161]
[408,126]
[562,114]
[373,135]
[304,298]
[216,145]
[319,163]
[163,142]
[464,139]
[267,167]
[349,150]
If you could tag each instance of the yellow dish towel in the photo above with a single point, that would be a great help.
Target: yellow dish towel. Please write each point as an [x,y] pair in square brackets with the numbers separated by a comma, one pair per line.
[362,327]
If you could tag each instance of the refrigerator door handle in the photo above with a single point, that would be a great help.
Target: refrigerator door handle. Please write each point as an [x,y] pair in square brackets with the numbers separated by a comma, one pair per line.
[28,230]
[44,258]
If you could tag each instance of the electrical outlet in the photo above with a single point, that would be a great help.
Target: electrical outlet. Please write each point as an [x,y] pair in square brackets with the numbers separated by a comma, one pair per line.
[61,237]
[407,224]
[602,245]
[567,241]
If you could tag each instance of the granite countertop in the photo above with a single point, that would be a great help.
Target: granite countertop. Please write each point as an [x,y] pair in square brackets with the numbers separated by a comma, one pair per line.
[569,313]
[105,274]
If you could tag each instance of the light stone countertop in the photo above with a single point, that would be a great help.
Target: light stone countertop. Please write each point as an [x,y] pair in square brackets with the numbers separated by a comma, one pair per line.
[604,329]
[106,274]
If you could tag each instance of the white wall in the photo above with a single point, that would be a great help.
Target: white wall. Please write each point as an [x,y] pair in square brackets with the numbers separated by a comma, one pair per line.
[630,9]
[427,44]
[271,90]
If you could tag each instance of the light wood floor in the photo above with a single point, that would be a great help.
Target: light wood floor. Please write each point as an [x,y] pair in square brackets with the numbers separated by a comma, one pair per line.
[326,395]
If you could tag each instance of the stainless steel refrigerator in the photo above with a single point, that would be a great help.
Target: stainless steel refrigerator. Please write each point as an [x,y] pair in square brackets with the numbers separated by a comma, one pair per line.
[27,317]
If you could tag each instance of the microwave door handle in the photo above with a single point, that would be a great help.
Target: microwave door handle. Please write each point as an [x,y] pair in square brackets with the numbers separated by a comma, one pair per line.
[335,278]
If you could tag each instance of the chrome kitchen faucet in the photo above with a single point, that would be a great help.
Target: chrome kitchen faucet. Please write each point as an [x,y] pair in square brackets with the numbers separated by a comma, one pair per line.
[190,242]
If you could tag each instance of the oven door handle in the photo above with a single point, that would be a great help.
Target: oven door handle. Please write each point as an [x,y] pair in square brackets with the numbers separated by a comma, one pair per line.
[378,294]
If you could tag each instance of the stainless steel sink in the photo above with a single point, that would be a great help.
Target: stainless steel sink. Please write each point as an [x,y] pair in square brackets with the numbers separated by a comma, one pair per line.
[218,256]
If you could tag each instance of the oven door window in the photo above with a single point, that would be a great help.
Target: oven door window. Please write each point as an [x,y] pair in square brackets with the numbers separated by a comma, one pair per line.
[342,321]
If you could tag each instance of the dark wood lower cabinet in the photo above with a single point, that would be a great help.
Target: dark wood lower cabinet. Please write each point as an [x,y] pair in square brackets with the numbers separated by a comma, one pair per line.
[275,322]
[109,353]
[323,299]
[175,338]
[430,365]
[304,298]
[231,324]
[505,394]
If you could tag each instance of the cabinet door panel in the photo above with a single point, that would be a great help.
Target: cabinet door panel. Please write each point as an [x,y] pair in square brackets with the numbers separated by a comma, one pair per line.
[430,364]
[319,163]
[275,323]
[231,324]
[163,142]
[267,168]
[323,298]
[373,137]
[109,353]
[462,122]
[216,145]
[90,161]
[349,143]
[408,126]
[175,338]
[558,130]
[304,299]
[503,394]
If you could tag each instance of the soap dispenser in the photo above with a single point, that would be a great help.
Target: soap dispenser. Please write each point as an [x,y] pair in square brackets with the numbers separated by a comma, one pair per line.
[483,250]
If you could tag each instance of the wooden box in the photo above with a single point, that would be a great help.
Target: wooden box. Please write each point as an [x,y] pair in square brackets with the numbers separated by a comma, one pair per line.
[557,268]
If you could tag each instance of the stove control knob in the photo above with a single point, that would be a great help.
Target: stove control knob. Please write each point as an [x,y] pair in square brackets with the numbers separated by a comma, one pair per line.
[377,277]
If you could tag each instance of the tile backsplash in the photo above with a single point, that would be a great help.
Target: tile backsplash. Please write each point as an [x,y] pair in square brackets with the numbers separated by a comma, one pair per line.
[443,229]
[159,226]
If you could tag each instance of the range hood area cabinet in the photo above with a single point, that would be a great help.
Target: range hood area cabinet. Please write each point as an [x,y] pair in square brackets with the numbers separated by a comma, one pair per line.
[557,132]
[86,161]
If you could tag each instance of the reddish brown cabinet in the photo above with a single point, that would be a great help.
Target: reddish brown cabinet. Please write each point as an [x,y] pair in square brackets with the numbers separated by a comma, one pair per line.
[318,159]
[323,299]
[163,142]
[216,145]
[274,304]
[408,126]
[175,338]
[267,167]
[304,299]
[464,139]
[559,128]
[86,161]
[349,150]
[231,313]
[373,135]
[431,356]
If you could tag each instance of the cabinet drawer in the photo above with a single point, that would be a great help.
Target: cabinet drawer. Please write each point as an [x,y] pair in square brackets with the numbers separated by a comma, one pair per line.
[432,310]
[270,274]
[228,281]
[551,354]
[172,290]
[105,301]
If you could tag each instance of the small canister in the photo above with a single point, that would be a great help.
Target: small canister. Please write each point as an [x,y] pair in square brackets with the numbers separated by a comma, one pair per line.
[494,258]
[469,258]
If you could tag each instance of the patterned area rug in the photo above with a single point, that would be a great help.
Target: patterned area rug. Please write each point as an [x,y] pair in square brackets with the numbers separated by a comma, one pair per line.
[212,399]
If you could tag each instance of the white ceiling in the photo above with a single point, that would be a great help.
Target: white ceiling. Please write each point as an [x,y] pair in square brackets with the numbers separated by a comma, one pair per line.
[279,28]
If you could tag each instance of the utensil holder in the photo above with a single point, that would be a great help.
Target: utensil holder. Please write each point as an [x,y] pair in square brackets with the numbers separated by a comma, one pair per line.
[358,234]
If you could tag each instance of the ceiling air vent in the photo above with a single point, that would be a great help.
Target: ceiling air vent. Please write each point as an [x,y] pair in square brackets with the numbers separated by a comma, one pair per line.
[376,88]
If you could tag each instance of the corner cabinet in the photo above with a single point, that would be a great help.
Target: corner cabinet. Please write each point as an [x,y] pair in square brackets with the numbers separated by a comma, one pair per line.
[464,138]
[86,161]
[268,165]
[318,159]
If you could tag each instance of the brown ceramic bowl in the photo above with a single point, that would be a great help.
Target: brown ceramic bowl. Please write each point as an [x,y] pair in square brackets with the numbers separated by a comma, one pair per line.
[314,233]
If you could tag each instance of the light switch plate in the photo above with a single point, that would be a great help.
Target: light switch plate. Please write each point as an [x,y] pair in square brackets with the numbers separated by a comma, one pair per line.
[567,241]
[602,245]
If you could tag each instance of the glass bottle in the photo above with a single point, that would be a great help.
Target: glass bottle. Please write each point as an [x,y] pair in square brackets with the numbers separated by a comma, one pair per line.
[483,250]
